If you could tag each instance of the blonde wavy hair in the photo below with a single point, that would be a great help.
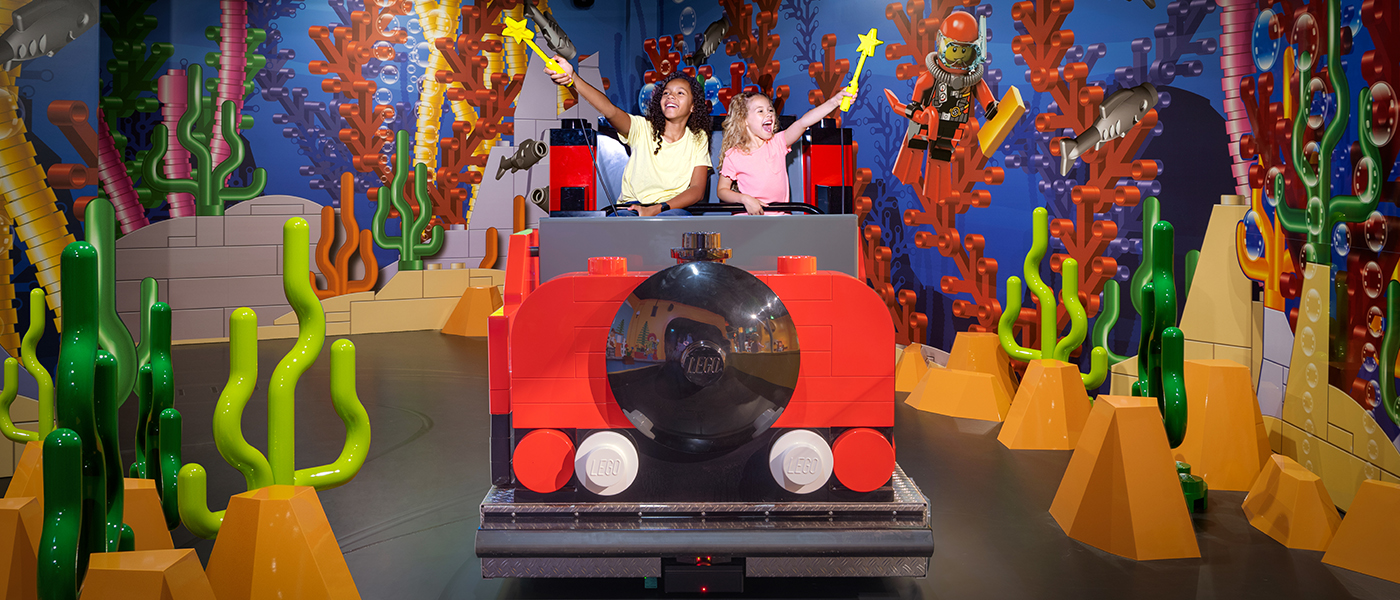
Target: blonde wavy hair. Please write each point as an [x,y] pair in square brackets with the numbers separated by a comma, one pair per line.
[736,130]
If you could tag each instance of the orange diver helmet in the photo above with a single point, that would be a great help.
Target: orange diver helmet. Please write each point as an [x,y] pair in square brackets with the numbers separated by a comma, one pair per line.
[959,42]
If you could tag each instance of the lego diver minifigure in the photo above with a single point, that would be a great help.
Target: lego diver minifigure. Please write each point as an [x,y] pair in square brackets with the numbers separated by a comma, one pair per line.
[943,102]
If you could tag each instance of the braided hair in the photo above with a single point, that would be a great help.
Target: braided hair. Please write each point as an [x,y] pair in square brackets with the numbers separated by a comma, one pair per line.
[699,121]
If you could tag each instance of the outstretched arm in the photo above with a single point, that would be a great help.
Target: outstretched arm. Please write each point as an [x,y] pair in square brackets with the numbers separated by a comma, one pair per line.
[619,118]
[792,134]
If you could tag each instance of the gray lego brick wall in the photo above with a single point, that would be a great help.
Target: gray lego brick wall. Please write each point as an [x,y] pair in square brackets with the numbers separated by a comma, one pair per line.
[208,267]
[567,243]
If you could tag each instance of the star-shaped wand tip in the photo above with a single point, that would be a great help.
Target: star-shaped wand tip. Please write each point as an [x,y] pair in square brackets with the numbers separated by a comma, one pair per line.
[868,42]
[517,29]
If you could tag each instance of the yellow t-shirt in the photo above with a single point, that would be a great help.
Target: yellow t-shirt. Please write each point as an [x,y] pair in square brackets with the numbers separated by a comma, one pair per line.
[652,178]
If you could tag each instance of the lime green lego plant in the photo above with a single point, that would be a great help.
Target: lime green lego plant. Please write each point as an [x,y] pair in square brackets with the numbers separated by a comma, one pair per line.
[40,374]
[83,486]
[157,422]
[1390,346]
[101,223]
[1161,346]
[278,467]
[207,181]
[1045,299]
[1324,210]
[408,243]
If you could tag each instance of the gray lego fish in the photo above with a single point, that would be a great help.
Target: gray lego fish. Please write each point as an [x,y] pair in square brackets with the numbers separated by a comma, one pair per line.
[553,34]
[44,27]
[540,197]
[1117,114]
[714,35]
[530,152]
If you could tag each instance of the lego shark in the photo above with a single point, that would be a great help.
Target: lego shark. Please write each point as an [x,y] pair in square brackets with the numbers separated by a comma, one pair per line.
[43,27]
[553,34]
[714,35]
[1117,114]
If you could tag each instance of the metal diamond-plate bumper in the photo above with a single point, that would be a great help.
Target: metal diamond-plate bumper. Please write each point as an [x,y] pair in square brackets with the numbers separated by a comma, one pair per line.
[784,539]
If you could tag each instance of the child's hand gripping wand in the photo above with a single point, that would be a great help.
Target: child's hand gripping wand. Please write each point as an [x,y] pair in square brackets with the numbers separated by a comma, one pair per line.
[520,32]
[868,42]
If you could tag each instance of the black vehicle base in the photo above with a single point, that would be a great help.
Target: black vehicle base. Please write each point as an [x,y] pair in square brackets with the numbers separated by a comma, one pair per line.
[707,543]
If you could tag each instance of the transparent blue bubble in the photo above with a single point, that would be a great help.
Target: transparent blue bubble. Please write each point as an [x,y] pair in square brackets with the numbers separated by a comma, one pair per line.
[1264,48]
[383,96]
[414,27]
[687,20]
[389,74]
[1341,240]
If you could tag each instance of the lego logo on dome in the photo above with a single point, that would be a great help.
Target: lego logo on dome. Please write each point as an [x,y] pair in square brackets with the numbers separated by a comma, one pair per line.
[703,363]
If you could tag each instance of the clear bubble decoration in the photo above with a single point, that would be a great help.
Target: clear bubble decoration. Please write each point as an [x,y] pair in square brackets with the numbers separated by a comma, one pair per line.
[1372,280]
[1312,305]
[414,27]
[1341,239]
[688,20]
[1253,238]
[421,53]
[1305,37]
[1368,357]
[1311,376]
[1264,46]
[383,96]
[1385,113]
[1374,323]
[382,50]
[389,74]
[1307,341]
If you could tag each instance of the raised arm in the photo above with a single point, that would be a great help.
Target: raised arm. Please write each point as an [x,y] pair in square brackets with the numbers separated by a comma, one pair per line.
[794,133]
[619,118]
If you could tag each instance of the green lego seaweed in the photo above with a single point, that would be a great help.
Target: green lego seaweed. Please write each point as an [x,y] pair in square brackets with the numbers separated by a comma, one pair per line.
[101,224]
[157,422]
[1108,317]
[411,248]
[207,181]
[1045,299]
[1324,210]
[36,370]
[1161,346]
[278,467]
[83,486]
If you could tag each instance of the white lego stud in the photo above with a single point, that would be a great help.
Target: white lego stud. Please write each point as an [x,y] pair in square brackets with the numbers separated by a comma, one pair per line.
[606,463]
[800,461]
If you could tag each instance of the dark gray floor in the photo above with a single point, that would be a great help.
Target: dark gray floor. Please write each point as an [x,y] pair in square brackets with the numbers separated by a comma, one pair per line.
[406,523]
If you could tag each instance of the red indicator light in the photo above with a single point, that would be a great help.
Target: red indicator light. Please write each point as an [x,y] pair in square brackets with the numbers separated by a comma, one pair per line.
[704,589]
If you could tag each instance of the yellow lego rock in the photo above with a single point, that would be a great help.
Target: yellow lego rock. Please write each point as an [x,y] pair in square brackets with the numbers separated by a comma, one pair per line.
[1218,308]
[909,369]
[1120,492]
[1274,427]
[445,283]
[1198,350]
[1291,505]
[164,574]
[1306,397]
[1368,441]
[403,285]
[21,522]
[141,510]
[962,394]
[332,305]
[385,316]
[1226,442]
[1049,410]
[275,542]
[982,353]
[1343,473]
[468,318]
[1368,540]
[28,481]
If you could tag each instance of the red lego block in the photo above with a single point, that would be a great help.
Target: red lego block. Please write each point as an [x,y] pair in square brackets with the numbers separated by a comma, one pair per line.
[497,347]
[860,347]
[590,338]
[590,364]
[813,337]
[837,414]
[863,459]
[499,401]
[799,287]
[845,389]
[547,390]
[521,268]
[565,416]
[814,363]
[612,289]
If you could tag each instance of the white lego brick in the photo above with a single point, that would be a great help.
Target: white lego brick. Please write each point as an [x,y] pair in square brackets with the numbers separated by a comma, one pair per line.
[1271,383]
[1278,337]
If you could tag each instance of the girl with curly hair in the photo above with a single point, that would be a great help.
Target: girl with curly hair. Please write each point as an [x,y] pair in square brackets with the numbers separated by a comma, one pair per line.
[754,152]
[670,145]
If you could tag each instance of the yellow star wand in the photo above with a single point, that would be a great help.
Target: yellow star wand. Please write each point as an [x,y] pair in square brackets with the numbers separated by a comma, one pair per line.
[868,42]
[520,32]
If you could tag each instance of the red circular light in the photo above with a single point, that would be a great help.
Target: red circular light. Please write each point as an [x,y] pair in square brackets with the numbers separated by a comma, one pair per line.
[544,460]
[864,459]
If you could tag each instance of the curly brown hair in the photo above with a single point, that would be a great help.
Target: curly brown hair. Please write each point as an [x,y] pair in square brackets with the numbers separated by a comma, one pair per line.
[699,121]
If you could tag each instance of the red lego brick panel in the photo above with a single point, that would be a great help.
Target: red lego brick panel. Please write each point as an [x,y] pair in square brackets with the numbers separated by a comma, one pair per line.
[814,363]
[612,289]
[500,401]
[792,288]
[844,389]
[564,416]
[813,337]
[860,346]
[497,344]
[591,364]
[837,414]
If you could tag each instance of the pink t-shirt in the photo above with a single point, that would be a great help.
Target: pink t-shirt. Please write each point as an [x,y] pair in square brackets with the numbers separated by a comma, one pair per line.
[761,173]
